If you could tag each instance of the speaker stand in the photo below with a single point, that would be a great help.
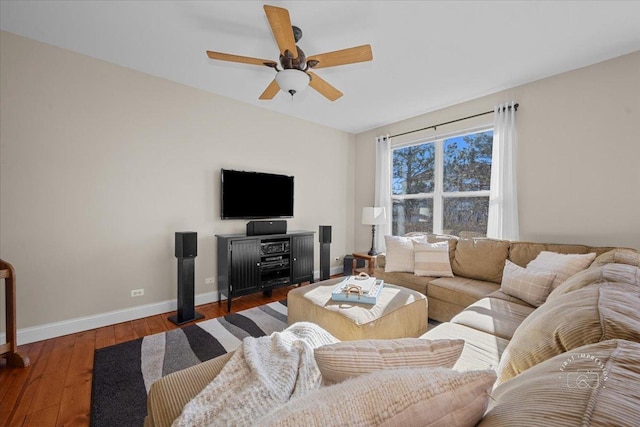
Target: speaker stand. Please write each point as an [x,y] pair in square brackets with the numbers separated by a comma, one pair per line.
[186,298]
[325,257]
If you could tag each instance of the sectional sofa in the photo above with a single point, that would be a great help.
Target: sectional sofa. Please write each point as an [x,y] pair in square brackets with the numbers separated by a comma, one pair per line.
[476,264]
[559,335]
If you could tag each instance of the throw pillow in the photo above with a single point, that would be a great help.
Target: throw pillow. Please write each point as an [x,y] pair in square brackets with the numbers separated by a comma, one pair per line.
[406,397]
[530,286]
[595,276]
[584,316]
[399,253]
[592,385]
[618,256]
[432,259]
[563,265]
[343,360]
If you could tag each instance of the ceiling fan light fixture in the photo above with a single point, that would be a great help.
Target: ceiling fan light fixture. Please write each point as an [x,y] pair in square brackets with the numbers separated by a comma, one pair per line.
[292,81]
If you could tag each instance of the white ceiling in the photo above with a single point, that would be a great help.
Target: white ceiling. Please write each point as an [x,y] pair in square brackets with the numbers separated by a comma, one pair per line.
[427,54]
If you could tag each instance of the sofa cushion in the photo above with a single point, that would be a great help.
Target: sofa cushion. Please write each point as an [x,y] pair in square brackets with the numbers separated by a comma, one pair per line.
[407,397]
[555,396]
[618,256]
[529,285]
[481,350]
[459,290]
[597,275]
[168,396]
[563,265]
[432,259]
[481,259]
[340,361]
[522,253]
[584,316]
[399,253]
[494,316]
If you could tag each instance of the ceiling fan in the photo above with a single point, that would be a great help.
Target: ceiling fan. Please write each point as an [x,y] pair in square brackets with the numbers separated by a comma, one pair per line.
[295,74]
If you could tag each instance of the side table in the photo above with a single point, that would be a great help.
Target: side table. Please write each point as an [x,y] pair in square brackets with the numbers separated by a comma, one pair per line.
[370,259]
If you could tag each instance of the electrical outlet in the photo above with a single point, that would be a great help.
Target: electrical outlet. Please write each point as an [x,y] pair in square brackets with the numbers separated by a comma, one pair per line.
[137,292]
[210,280]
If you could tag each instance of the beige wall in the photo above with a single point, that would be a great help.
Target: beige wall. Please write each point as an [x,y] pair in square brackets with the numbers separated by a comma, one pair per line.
[578,159]
[100,165]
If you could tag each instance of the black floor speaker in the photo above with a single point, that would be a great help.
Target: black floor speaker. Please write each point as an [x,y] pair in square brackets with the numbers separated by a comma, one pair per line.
[186,252]
[324,236]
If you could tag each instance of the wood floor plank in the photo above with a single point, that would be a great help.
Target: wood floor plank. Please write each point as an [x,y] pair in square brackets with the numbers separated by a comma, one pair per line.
[105,336]
[43,417]
[75,403]
[140,328]
[55,372]
[38,358]
[155,324]
[124,332]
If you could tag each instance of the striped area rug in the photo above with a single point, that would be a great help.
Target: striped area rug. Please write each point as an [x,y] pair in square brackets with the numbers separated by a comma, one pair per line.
[123,373]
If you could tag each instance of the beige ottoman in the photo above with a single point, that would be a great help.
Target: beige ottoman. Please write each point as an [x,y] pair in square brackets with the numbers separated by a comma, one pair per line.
[399,312]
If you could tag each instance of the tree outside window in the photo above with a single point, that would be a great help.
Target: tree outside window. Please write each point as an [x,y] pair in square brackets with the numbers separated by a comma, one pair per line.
[442,186]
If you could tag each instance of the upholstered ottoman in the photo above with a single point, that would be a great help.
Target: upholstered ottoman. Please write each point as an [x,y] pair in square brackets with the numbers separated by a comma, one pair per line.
[399,312]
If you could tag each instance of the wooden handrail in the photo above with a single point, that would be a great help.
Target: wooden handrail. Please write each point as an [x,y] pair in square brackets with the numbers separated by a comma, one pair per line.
[9,350]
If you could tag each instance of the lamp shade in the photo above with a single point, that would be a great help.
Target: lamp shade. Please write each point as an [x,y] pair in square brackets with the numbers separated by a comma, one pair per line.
[292,80]
[373,215]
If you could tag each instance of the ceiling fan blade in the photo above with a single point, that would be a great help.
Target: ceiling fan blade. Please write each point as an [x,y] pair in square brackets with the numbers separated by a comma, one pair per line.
[241,59]
[343,57]
[281,26]
[271,90]
[325,89]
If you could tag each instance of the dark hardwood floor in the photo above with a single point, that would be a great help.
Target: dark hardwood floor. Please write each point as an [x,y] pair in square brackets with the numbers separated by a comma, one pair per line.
[55,390]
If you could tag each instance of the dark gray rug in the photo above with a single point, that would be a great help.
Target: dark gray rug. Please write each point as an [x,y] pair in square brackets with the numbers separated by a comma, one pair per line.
[123,373]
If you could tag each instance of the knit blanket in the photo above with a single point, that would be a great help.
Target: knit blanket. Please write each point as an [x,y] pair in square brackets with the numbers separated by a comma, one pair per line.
[263,374]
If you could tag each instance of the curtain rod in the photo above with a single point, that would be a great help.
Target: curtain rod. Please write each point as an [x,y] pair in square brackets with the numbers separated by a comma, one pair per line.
[515,107]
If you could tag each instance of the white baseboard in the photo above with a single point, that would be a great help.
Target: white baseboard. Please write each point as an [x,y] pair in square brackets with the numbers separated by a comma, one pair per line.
[80,324]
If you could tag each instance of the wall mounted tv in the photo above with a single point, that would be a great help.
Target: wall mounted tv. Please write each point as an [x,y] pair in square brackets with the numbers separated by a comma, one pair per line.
[255,195]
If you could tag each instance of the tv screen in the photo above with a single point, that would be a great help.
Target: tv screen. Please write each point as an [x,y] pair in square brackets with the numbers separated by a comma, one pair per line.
[255,195]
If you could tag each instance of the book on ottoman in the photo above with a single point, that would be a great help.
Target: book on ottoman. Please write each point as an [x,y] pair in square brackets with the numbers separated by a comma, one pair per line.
[361,288]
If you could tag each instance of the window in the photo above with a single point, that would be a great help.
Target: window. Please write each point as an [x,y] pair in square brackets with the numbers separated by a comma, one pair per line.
[442,186]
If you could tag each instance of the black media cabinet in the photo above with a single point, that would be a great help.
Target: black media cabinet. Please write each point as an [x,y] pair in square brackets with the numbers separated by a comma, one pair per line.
[249,264]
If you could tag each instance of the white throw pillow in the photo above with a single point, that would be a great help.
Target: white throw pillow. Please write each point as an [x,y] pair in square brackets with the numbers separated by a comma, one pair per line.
[529,285]
[340,361]
[395,397]
[399,253]
[563,265]
[432,259]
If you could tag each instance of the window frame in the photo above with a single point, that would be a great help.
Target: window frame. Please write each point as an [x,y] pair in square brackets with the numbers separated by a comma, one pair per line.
[438,195]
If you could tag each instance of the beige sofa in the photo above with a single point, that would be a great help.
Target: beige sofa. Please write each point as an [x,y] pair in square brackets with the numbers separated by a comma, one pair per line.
[477,265]
[536,352]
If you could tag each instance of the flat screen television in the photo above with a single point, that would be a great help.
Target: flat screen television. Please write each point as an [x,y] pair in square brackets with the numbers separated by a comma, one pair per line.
[255,195]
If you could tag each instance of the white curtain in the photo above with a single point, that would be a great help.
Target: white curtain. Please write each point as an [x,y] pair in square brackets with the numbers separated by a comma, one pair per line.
[382,196]
[503,196]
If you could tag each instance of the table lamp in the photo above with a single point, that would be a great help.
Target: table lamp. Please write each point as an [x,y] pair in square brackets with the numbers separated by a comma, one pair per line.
[373,216]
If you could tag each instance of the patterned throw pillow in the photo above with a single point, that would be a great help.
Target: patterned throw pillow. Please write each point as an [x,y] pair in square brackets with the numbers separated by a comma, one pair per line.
[531,286]
[399,253]
[432,259]
[564,265]
[347,359]
[399,397]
